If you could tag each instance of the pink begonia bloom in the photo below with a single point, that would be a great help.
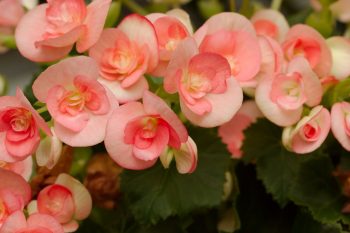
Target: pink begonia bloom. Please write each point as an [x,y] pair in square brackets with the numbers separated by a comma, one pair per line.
[304,41]
[78,103]
[67,200]
[281,98]
[232,134]
[58,25]
[340,123]
[341,10]
[19,128]
[11,11]
[49,151]
[171,28]
[23,168]
[138,133]
[340,49]
[209,95]
[270,23]
[309,133]
[15,193]
[185,158]
[124,54]
[232,36]
[36,223]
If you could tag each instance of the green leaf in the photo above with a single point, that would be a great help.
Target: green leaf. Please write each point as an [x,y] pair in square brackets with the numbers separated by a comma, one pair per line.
[113,14]
[81,156]
[208,8]
[322,21]
[156,193]
[341,92]
[317,189]
[304,223]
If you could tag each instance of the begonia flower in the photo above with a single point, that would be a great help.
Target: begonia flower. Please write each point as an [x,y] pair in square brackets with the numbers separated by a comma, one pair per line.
[209,95]
[185,158]
[124,54]
[19,128]
[49,31]
[340,49]
[15,193]
[281,97]
[232,132]
[67,200]
[309,133]
[232,36]
[78,103]
[271,23]
[304,41]
[171,28]
[23,168]
[38,223]
[49,151]
[340,123]
[138,133]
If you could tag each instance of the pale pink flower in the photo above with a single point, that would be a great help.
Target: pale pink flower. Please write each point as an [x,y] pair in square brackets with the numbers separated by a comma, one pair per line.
[138,133]
[185,158]
[209,95]
[340,123]
[36,223]
[309,133]
[49,31]
[232,132]
[341,10]
[281,97]
[78,103]
[124,54]
[340,49]
[271,23]
[49,151]
[304,41]
[171,28]
[15,193]
[232,36]
[19,128]
[23,168]
[68,201]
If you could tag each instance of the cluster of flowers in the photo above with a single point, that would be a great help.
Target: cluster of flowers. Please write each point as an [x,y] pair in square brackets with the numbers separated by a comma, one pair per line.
[97,98]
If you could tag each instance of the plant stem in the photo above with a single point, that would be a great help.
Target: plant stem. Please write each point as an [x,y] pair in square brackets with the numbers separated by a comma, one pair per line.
[42,109]
[232,4]
[133,6]
[276,4]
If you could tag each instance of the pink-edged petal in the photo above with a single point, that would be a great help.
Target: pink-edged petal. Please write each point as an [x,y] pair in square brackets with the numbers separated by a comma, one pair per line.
[49,151]
[339,113]
[340,49]
[224,106]
[72,226]
[119,151]
[15,222]
[97,12]
[16,184]
[81,196]
[11,12]
[312,84]
[140,29]
[341,10]
[274,17]
[66,39]
[23,168]
[158,145]
[94,131]
[4,154]
[271,56]
[224,21]
[183,16]
[63,73]
[179,61]
[270,109]
[124,95]
[26,37]
[44,221]
[186,157]
[38,119]
[155,105]
[22,149]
